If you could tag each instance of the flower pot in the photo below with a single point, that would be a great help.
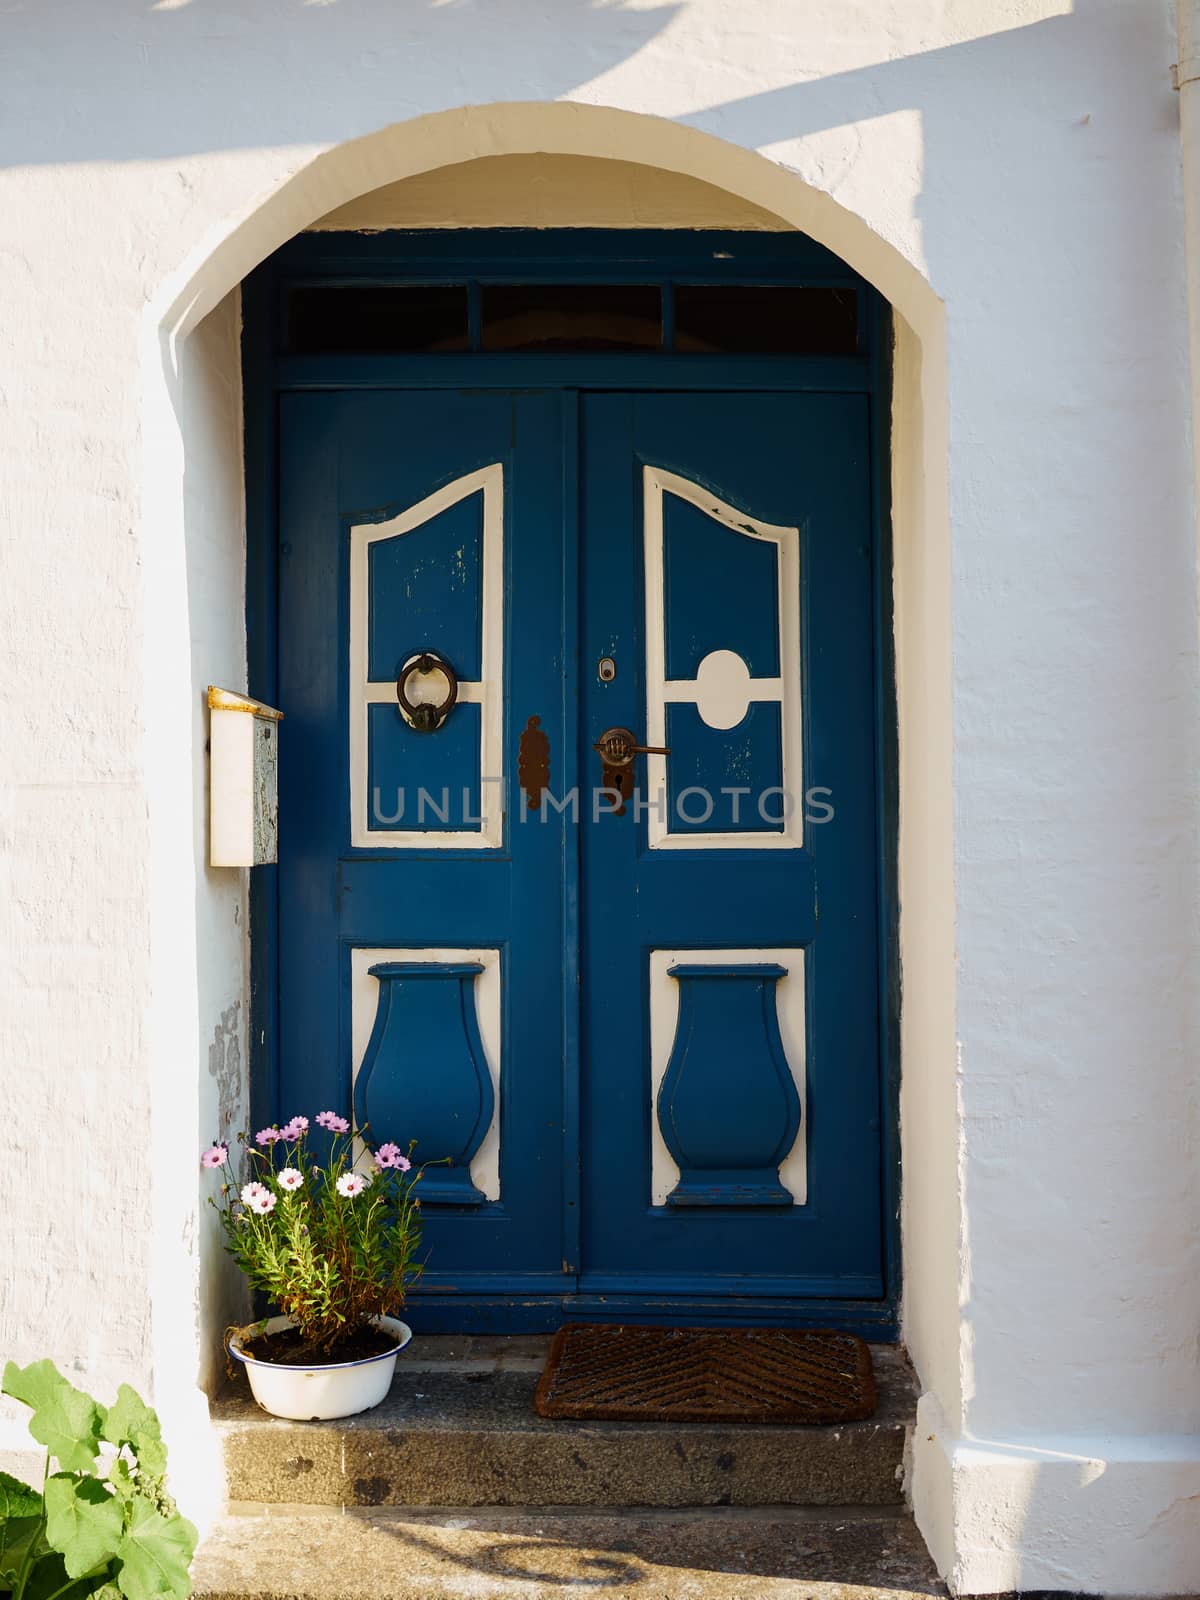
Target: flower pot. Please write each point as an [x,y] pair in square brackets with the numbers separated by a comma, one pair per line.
[314,1394]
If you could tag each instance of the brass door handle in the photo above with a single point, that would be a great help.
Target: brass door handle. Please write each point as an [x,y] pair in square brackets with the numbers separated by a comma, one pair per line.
[617,747]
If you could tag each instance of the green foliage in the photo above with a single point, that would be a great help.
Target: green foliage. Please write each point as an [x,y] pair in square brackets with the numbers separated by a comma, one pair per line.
[331,1242]
[20,1524]
[84,1521]
[17,1499]
[98,1530]
[131,1422]
[65,1420]
[155,1553]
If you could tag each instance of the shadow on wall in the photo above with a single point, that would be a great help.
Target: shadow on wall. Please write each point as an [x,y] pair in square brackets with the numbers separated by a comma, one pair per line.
[286,73]
[156,69]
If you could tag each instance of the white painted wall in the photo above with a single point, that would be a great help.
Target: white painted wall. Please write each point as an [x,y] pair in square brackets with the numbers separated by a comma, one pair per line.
[1007,172]
[214,511]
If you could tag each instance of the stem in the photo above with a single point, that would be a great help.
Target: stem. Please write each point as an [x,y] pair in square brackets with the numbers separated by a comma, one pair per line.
[27,1562]
[70,1584]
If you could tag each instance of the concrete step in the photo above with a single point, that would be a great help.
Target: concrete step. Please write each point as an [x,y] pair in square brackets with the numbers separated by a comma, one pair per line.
[783,1553]
[459,1429]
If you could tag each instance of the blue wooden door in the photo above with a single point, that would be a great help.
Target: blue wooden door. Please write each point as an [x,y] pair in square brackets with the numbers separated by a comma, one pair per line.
[731,1106]
[628,1000]
[420,948]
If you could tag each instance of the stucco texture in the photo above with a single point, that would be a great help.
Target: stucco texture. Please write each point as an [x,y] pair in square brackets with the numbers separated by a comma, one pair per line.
[1007,172]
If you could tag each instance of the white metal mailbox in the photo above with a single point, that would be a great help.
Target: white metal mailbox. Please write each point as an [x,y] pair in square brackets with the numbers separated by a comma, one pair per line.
[243,780]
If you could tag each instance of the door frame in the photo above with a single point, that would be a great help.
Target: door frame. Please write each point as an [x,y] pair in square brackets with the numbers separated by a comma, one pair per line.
[597,257]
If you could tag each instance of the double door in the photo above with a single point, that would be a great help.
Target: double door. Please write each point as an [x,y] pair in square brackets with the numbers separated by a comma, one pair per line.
[579,840]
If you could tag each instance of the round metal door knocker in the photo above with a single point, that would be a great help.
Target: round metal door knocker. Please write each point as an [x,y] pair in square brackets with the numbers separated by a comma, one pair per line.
[426,690]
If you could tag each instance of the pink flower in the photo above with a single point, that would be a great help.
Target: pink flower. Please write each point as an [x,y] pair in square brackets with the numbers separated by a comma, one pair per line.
[334,1123]
[215,1156]
[294,1129]
[267,1136]
[290,1179]
[390,1155]
[350,1184]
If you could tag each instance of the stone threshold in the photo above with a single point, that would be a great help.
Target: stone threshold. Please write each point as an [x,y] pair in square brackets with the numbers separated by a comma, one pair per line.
[766,1553]
[459,1429]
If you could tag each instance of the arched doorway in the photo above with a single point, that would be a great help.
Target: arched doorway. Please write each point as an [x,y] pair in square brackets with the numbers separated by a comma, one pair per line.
[528,501]
[202,993]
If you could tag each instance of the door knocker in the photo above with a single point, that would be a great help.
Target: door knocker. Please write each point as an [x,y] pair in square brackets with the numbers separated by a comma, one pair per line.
[426,690]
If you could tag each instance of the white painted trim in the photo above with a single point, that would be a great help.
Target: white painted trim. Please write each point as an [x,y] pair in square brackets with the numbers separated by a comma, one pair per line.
[487,692]
[364,1000]
[1086,1513]
[661,691]
[664,1014]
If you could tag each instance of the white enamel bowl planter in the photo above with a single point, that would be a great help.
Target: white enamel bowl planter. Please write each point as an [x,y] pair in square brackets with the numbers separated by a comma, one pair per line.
[316,1394]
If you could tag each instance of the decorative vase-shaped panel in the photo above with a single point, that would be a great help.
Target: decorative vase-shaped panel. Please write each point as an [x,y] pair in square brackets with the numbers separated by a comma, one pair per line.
[728,1105]
[425,1075]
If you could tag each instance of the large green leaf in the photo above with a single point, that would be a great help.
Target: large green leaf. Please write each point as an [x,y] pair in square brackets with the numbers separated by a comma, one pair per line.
[83,1521]
[129,1420]
[17,1499]
[65,1420]
[20,1524]
[18,1535]
[155,1554]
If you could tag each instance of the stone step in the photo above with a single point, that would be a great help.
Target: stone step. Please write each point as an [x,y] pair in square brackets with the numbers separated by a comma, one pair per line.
[784,1553]
[459,1429]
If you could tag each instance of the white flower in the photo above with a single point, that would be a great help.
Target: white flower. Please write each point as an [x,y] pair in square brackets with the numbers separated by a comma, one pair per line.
[289,1178]
[350,1184]
[263,1203]
[251,1192]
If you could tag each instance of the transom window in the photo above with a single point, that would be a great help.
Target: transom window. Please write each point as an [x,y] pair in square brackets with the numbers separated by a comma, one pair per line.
[668,318]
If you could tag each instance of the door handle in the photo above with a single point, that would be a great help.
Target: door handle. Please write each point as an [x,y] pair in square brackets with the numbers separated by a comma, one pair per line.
[618,746]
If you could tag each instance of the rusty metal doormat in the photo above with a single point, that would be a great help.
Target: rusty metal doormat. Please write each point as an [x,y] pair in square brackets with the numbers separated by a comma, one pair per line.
[636,1374]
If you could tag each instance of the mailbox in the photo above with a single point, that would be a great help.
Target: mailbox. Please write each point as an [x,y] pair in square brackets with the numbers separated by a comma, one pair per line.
[243,780]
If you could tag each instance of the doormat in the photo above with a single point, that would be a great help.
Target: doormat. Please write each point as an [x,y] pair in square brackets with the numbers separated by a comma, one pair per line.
[635,1374]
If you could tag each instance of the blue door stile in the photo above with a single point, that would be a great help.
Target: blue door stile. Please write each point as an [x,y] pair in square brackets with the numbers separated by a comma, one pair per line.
[349,461]
[806,905]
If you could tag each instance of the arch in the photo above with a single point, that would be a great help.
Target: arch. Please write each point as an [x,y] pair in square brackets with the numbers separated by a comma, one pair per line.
[448,138]
[175,449]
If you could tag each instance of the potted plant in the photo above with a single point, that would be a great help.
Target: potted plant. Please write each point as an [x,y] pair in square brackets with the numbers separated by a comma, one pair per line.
[331,1243]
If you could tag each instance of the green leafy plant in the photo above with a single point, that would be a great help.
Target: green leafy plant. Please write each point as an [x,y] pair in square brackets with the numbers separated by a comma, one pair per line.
[103,1524]
[330,1241]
